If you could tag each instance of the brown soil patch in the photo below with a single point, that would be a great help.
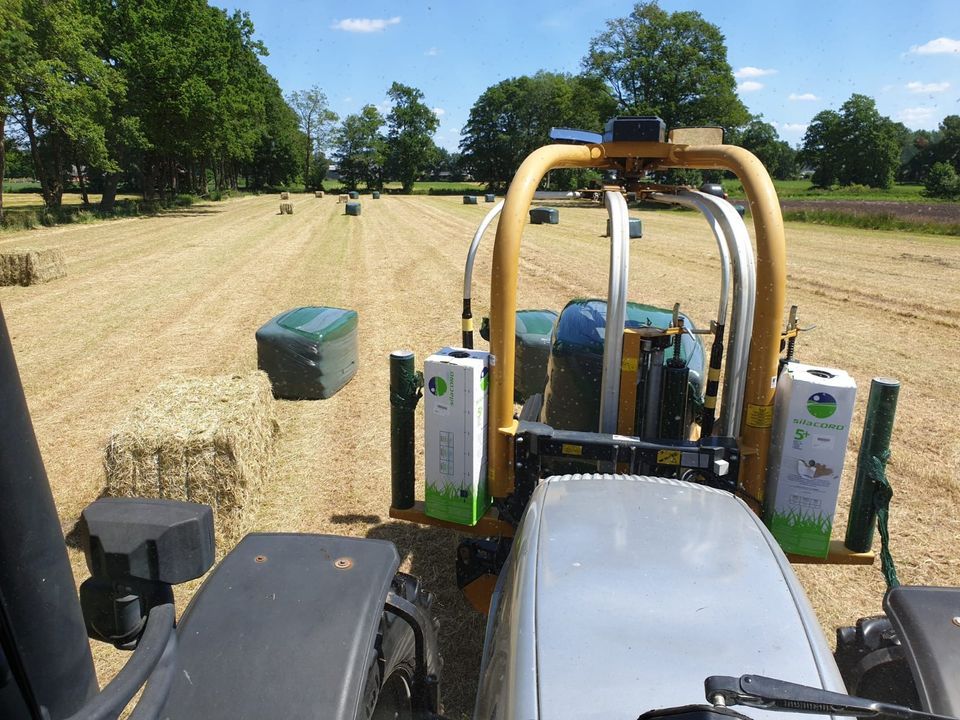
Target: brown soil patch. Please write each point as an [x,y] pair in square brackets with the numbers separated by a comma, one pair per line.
[946,213]
[183,293]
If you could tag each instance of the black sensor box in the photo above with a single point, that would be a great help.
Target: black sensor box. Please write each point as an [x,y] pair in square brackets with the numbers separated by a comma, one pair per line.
[647,128]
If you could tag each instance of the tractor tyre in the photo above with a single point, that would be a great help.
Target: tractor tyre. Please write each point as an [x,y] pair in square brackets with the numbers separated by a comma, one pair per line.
[388,692]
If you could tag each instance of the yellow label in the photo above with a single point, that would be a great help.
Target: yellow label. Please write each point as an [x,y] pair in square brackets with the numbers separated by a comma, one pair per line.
[466,324]
[629,364]
[571,449]
[759,416]
[668,457]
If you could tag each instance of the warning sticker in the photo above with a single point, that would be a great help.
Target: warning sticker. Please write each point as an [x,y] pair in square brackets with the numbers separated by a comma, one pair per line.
[668,457]
[629,364]
[567,449]
[759,416]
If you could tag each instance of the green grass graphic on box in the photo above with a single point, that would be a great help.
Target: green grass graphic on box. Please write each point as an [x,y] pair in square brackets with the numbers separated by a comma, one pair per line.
[800,533]
[446,503]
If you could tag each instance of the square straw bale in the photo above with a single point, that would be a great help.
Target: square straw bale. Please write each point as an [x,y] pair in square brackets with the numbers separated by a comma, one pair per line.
[207,440]
[31,267]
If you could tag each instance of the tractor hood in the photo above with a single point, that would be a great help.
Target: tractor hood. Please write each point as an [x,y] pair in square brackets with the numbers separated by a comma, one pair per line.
[623,593]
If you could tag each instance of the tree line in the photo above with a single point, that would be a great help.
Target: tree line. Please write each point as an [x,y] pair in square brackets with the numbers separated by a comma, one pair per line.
[163,98]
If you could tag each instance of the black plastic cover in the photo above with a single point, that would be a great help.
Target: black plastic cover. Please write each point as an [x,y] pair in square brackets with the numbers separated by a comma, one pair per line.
[534,329]
[309,353]
[575,368]
[281,629]
[644,128]
[167,541]
[927,620]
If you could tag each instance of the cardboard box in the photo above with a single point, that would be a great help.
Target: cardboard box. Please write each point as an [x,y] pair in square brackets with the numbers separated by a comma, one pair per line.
[455,425]
[811,424]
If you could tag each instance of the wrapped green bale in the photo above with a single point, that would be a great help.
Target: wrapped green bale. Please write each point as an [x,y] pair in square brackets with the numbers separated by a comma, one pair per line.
[636,228]
[352,208]
[206,440]
[489,197]
[31,267]
[572,397]
[354,195]
[469,199]
[534,329]
[544,216]
[309,353]
[375,194]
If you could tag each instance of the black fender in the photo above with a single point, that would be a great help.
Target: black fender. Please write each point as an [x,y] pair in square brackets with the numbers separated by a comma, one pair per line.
[286,626]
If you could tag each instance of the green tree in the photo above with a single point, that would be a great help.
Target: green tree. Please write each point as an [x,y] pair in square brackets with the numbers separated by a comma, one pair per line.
[359,149]
[410,149]
[63,96]
[855,145]
[669,64]
[316,122]
[761,138]
[512,118]
[947,147]
[13,40]
[942,182]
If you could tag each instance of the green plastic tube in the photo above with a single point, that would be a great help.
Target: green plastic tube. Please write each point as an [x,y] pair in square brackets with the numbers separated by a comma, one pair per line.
[874,451]
[406,385]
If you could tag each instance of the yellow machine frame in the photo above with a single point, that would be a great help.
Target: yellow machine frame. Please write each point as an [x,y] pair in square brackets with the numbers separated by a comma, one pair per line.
[633,159]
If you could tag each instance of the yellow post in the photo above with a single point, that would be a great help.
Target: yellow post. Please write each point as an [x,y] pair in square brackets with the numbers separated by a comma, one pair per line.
[503,298]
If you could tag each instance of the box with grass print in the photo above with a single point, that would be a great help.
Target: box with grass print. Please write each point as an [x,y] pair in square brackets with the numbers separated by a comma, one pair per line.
[455,425]
[811,423]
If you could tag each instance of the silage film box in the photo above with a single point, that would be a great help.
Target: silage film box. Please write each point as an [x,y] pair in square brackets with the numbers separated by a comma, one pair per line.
[811,424]
[455,425]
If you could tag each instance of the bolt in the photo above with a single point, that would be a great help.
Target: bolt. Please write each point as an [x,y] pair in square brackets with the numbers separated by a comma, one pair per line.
[956,621]
[343,563]
[260,559]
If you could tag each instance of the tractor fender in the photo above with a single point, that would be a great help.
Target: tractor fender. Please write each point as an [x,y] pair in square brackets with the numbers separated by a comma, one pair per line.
[285,626]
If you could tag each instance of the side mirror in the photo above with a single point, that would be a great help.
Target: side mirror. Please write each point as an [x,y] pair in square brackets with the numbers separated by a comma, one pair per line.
[136,549]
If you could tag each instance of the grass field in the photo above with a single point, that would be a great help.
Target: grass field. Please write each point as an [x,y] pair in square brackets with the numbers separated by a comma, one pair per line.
[146,298]
[803,190]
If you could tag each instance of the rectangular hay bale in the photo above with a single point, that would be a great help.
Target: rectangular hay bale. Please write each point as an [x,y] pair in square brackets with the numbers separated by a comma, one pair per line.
[284,195]
[31,267]
[318,193]
[206,440]
[342,198]
[286,208]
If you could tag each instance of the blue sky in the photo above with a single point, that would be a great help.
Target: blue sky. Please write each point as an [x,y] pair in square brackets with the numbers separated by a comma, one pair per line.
[792,59]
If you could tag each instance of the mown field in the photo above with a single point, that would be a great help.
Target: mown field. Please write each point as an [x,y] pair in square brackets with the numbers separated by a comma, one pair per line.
[184,292]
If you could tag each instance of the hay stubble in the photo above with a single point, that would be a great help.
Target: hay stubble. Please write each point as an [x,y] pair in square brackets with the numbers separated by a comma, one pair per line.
[184,292]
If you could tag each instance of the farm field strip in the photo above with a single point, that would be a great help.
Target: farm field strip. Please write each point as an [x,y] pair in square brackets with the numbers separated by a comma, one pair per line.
[147,298]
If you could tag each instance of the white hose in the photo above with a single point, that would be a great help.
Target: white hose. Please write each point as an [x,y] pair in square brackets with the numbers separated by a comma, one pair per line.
[616,310]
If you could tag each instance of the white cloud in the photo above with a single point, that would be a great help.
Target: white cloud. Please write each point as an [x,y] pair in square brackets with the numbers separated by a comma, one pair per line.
[934,87]
[802,96]
[792,127]
[940,46]
[439,112]
[432,52]
[753,72]
[917,116]
[365,25]
[749,86]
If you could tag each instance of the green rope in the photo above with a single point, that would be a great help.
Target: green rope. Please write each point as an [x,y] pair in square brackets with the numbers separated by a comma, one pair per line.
[411,391]
[882,494]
